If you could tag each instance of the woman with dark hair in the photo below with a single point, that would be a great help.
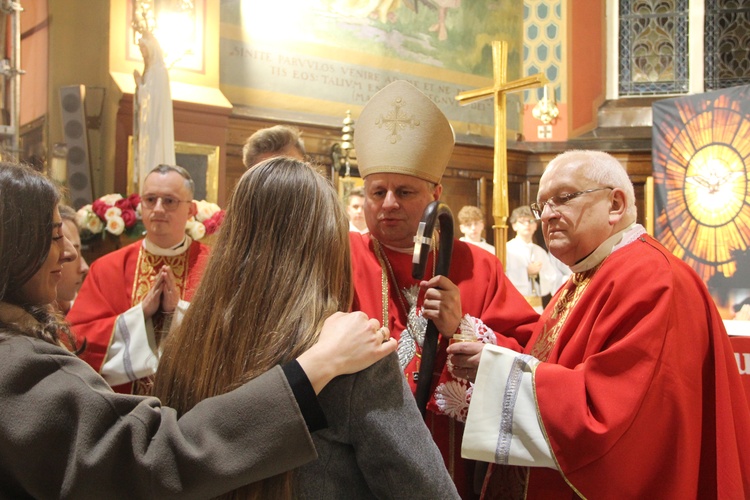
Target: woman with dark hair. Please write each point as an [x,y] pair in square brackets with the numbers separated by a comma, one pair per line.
[280,266]
[64,433]
[75,271]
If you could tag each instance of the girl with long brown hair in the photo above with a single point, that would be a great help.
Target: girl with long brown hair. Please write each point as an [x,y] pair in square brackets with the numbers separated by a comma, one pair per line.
[66,434]
[281,265]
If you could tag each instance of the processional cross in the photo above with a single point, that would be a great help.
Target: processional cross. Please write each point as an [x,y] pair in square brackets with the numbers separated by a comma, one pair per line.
[500,179]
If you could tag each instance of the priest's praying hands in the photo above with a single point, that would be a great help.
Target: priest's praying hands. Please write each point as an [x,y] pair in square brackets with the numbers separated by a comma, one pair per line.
[164,293]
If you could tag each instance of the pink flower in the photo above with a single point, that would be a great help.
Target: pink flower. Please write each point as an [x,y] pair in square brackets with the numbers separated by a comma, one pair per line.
[134,200]
[100,208]
[214,222]
[123,204]
[210,225]
[128,216]
[219,217]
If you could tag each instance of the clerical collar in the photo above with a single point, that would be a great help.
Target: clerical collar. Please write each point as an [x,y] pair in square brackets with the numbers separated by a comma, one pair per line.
[178,249]
[610,245]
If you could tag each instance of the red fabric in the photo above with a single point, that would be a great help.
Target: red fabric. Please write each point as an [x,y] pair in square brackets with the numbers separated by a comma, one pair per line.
[107,292]
[639,398]
[741,346]
[485,294]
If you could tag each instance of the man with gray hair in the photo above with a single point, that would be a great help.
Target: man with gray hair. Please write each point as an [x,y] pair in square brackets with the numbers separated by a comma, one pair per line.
[127,300]
[628,387]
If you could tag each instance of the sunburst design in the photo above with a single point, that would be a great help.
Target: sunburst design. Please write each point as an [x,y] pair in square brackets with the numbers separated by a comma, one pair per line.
[701,159]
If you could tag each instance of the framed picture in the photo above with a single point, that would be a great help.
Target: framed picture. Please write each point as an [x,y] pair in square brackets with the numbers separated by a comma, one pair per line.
[201,160]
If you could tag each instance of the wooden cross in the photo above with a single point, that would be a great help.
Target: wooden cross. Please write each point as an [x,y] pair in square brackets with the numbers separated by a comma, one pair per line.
[499,90]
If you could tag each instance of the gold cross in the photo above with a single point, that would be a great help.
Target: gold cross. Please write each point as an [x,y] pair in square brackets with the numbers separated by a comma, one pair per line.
[499,90]
[396,121]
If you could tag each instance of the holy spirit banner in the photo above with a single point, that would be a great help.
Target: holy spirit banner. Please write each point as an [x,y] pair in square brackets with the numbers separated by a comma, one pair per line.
[701,155]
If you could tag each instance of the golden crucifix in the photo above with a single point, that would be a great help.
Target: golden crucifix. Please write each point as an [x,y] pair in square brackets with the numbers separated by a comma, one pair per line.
[499,90]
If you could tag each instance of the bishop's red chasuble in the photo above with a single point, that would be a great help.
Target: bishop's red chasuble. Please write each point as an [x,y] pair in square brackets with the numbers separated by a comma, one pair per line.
[487,297]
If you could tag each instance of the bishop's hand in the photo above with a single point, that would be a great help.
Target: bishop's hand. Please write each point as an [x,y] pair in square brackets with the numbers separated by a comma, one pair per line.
[442,304]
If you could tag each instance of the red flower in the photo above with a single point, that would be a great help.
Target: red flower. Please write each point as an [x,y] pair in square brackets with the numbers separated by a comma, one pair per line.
[135,200]
[100,208]
[128,216]
[124,204]
[214,222]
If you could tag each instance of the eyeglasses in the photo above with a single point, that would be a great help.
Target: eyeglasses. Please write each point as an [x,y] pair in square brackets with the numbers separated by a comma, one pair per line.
[561,199]
[167,202]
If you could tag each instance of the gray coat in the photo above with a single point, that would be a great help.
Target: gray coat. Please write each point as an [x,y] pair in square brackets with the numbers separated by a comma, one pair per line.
[376,444]
[65,434]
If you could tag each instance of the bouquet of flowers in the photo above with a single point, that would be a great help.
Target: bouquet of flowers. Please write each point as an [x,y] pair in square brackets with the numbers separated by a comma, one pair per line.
[206,221]
[115,214]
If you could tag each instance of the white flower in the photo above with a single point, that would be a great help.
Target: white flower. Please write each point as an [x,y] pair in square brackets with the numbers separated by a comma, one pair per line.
[112,212]
[205,210]
[83,214]
[195,229]
[95,224]
[111,199]
[115,225]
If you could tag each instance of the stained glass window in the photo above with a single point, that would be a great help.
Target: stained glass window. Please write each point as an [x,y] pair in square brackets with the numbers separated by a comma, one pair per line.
[653,47]
[727,44]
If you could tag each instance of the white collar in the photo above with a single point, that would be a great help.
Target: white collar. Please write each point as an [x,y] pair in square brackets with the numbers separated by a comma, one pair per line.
[178,249]
[610,245]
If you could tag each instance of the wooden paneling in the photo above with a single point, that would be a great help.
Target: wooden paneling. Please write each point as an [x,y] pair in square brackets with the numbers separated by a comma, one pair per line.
[468,178]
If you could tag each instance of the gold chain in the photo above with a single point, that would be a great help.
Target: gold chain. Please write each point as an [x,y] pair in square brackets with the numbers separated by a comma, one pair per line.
[386,269]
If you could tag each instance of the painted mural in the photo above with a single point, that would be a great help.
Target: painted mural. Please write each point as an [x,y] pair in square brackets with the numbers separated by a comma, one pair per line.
[314,59]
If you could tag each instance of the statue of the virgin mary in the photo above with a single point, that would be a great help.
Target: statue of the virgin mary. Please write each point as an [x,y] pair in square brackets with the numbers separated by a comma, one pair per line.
[153,124]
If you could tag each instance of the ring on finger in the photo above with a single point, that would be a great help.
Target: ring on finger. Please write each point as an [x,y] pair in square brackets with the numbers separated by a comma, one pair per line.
[384,332]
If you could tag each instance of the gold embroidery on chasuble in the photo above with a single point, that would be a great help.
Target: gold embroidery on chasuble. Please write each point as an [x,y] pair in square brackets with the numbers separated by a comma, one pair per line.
[569,297]
[148,268]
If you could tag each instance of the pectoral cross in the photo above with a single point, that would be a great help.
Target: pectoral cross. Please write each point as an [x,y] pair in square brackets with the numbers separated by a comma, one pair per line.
[500,179]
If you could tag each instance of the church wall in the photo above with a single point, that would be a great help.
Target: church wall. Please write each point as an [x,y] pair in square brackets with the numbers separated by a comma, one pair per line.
[328,59]
[546,52]
[34,57]
[587,63]
[79,55]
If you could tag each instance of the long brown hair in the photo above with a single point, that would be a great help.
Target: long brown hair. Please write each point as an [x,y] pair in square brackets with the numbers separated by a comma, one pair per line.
[27,202]
[280,267]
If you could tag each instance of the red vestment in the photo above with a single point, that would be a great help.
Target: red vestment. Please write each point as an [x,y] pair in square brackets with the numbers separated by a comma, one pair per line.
[640,396]
[486,294]
[108,291]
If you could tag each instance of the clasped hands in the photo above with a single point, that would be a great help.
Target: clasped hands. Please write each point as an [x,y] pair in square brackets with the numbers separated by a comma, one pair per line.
[164,294]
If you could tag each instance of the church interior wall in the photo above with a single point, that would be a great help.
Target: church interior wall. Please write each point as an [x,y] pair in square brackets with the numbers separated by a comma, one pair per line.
[93,51]
[587,64]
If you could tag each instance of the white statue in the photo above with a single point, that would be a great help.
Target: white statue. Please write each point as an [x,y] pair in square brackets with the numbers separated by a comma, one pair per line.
[153,124]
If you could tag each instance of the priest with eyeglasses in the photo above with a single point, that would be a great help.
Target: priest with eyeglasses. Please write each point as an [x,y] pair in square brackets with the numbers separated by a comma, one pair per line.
[127,301]
[628,387]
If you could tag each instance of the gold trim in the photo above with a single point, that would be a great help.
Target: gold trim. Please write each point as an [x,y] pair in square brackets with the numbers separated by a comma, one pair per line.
[648,210]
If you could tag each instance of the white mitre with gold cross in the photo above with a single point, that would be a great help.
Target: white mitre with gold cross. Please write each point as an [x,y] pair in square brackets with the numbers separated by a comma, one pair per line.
[401,131]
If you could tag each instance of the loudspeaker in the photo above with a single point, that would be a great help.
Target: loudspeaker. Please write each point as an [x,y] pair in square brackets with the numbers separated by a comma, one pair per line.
[76,137]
